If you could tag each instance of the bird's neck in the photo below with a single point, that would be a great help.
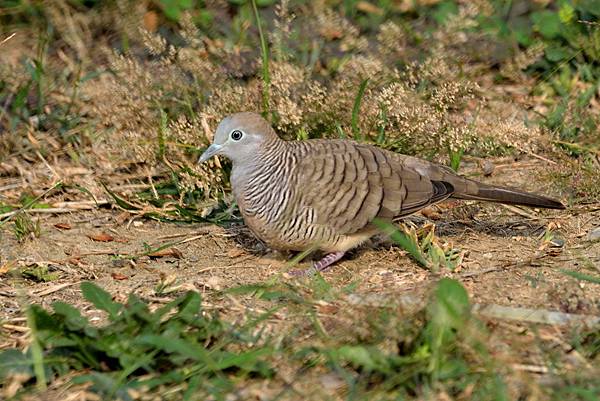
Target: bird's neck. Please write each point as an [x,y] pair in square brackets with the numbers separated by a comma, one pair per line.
[262,171]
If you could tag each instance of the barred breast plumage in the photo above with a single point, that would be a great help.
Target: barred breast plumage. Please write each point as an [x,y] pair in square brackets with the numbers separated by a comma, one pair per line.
[326,193]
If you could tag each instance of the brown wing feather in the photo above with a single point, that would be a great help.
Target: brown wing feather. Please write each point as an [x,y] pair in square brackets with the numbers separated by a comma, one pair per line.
[349,184]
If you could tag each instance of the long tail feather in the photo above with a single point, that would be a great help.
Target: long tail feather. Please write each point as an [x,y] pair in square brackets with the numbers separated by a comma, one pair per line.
[491,193]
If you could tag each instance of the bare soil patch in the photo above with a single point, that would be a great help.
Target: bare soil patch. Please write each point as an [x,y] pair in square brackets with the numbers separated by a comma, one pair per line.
[507,260]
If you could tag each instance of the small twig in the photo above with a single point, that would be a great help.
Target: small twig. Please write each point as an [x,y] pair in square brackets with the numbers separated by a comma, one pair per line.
[92,252]
[9,37]
[190,239]
[48,210]
[219,267]
[520,212]
[503,267]
[161,247]
[530,368]
[55,288]
[13,327]
[541,158]
[63,207]
[484,271]
[207,230]
[130,186]
[83,205]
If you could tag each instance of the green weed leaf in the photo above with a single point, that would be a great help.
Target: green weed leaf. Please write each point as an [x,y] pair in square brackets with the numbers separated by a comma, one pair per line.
[547,23]
[100,299]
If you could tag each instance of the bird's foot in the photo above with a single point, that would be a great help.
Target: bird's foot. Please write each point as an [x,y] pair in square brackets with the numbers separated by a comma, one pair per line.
[321,266]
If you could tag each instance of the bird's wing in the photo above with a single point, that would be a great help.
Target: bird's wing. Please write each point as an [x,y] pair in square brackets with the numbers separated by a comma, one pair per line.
[349,184]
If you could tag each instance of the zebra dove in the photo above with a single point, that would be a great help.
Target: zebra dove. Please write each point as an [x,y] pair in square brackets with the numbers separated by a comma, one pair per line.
[325,193]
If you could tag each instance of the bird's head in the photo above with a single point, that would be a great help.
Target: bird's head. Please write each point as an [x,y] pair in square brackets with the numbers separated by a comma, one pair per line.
[240,137]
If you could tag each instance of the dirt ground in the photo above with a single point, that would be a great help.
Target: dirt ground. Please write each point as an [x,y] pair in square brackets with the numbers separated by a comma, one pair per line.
[507,261]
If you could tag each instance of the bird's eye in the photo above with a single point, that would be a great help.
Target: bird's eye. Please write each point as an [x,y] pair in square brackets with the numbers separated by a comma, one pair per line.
[236,135]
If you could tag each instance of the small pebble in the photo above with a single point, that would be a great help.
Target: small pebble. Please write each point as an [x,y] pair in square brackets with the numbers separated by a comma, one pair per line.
[594,235]
[557,242]
[488,168]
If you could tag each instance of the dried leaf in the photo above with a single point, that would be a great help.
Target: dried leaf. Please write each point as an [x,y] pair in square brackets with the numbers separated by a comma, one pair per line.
[431,213]
[151,21]
[119,276]
[101,237]
[174,252]
[6,267]
[63,226]
[235,252]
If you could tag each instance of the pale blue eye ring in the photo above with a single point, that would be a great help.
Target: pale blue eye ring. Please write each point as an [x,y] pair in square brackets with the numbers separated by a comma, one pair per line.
[236,135]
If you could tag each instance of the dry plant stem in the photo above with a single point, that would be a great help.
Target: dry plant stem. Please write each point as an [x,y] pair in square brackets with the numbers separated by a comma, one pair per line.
[520,212]
[205,230]
[29,204]
[503,267]
[154,192]
[130,186]
[56,288]
[480,272]
[9,37]
[541,158]
[530,368]
[20,329]
[52,210]
[48,166]
[205,269]
[11,186]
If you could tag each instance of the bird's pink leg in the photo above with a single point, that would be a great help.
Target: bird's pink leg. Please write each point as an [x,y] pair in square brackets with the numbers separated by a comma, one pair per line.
[321,266]
[325,263]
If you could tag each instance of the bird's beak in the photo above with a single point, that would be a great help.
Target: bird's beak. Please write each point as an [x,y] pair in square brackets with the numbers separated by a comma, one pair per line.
[210,152]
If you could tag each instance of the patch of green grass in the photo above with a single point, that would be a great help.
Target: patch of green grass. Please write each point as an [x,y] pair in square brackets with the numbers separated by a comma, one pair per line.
[178,345]
[430,357]
[375,351]
[39,273]
[24,227]
[455,158]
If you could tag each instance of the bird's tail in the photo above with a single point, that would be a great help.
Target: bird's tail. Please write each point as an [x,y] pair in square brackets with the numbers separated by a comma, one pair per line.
[465,188]
[492,193]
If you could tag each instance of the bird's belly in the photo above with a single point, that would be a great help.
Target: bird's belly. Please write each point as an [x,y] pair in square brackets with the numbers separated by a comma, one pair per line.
[272,234]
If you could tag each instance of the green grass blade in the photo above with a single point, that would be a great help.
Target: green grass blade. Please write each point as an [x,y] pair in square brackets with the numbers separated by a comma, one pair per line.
[264,50]
[455,158]
[37,355]
[582,276]
[405,242]
[356,109]
[100,298]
